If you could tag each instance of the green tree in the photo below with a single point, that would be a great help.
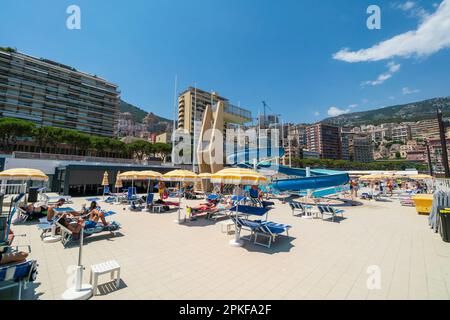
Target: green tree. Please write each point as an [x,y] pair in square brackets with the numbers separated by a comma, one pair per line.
[163,150]
[46,136]
[139,149]
[12,129]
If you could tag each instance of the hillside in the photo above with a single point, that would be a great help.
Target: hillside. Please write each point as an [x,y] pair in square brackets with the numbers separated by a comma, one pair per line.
[399,113]
[139,114]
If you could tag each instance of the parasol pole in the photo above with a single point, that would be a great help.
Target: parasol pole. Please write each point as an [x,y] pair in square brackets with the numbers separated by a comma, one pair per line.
[79,291]
[179,201]
[237,242]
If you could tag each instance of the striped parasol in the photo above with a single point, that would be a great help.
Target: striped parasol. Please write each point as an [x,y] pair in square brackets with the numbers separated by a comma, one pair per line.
[23,174]
[119,183]
[376,177]
[129,175]
[105,181]
[420,177]
[205,175]
[238,176]
[180,176]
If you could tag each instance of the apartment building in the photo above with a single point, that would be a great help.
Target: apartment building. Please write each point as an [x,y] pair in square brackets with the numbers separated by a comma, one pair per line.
[378,133]
[347,143]
[193,102]
[325,140]
[436,153]
[362,149]
[401,132]
[425,129]
[52,94]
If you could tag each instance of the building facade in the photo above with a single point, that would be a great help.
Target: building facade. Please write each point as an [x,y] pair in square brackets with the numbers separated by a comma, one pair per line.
[362,148]
[425,129]
[52,94]
[325,140]
[401,132]
[193,102]
[192,106]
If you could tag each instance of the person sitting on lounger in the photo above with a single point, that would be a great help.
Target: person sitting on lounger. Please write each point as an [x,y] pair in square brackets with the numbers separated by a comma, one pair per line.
[95,215]
[13,257]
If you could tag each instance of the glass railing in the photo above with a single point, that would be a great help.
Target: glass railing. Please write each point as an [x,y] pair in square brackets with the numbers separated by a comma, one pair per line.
[238,111]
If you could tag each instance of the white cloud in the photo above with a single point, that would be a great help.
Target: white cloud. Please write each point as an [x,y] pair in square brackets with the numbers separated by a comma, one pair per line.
[431,36]
[413,9]
[392,69]
[317,113]
[334,112]
[407,90]
[353,106]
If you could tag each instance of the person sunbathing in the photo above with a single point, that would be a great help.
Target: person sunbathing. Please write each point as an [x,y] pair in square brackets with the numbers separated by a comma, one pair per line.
[43,210]
[76,224]
[96,215]
[13,257]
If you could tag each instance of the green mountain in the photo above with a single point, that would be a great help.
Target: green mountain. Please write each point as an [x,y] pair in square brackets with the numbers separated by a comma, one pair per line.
[139,114]
[409,112]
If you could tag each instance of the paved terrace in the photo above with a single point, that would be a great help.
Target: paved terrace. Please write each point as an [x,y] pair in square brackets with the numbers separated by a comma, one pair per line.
[320,260]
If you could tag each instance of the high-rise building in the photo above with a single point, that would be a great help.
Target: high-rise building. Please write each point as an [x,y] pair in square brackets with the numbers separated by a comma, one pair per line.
[192,104]
[347,143]
[325,140]
[362,148]
[52,94]
[267,120]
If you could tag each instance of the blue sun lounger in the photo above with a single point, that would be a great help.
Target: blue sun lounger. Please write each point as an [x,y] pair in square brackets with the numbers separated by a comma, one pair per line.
[330,211]
[67,235]
[18,275]
[250,211]
[265,229]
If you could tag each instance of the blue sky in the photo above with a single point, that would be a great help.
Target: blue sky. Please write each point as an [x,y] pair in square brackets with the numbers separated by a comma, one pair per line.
[289,53]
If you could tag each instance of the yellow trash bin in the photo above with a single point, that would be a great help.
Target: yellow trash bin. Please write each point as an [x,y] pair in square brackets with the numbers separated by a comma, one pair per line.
[423,202]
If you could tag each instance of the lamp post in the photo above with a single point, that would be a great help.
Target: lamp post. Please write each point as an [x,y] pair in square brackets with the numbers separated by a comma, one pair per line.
[443,144]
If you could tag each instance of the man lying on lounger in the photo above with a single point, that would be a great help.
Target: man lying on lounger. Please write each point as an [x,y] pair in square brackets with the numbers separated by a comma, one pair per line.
[43,210]
[74,223]
[210,207]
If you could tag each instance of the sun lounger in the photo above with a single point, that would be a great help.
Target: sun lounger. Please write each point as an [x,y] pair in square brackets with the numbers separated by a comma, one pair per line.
[265,229]
[18,275]
[250,211]
[296,206]
[270,231]
[330,211]
[55,199]
[67,235]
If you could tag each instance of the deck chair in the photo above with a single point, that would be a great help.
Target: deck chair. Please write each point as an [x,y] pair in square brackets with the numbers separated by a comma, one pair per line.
[297,206]
[67,235]
[270,231]
[149,200]
[18,275]
[246,225]
[330,211]
[213,198]
[131,194]
[107,191]
[250,211]
[5,221]
[253,193]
